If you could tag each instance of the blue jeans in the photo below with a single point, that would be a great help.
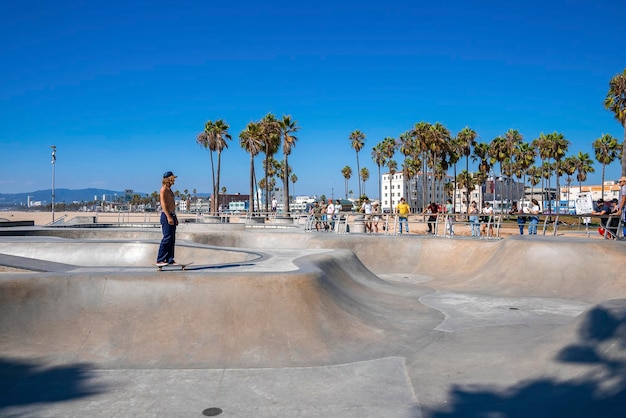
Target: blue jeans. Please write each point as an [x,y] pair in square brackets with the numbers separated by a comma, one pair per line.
[532,226]
[166,249]
[474,223]
[404,221]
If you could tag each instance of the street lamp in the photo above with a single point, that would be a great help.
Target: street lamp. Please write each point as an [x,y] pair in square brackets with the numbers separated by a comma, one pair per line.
[54,158]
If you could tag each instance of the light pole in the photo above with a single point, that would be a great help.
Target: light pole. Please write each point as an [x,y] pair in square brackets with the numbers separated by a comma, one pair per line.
[54,158]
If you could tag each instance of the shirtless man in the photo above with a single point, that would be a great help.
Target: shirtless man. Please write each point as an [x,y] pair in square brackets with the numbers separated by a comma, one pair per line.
[168,221]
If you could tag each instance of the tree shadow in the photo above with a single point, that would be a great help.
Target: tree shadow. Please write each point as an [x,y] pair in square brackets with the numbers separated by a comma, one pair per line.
[599,392]
[27,383]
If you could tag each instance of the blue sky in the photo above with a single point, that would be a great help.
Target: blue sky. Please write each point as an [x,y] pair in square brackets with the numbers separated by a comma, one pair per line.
[122,88]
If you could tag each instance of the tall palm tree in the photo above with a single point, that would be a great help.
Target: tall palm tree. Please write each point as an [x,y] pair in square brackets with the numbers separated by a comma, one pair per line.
[534,178]
[467,138]
[250,140]
[206,139]
[568,167]
[379,159]
[365,175]
[455,150]
[607,149]
[615,101]
[392,165]
[347,173]
[271,142]
[465,180]
[287,128]
[221,135]
[584,165]
[524,157]
[357,142]
[438,147]
[481,154]
[421,133]
[498,151]
[557,149]
[293,179]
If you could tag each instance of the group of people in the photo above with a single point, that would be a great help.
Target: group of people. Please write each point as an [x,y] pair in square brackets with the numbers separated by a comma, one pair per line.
[325,214]
[528,214]
[609,213]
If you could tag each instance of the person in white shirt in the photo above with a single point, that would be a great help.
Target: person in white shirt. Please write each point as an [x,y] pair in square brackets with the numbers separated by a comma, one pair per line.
[366,208]
[330,215]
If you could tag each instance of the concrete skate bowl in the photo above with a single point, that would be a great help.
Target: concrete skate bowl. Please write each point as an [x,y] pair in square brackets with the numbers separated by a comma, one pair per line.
[75,253]
[552,344]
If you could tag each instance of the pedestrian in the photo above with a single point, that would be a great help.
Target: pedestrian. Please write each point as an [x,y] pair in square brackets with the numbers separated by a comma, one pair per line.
[366,208]
[521,219]
[621,205]
[432,210]
[449,210]
[487,220]
[375,217]
[473,219]
[403,209]
[330,215]
[169,221]
[534,209]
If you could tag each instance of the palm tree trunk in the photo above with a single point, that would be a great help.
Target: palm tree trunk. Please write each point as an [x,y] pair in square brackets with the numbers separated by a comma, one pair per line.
[252,199]
[217,186]
[286,186]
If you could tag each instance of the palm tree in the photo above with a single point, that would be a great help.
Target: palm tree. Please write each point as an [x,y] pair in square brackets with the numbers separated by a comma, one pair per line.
[221,135]
[481,153]
[357,142]
[379,159]
[524,157]
[287,128]
[557,148]
[465,180]
[498,151]
[534,178]
[438,147]
[455,150]
[206,139]
[392,165]
[467,138]
[569,167]
[584,165]
[347,173]
[607,149]
[365,175]
[615,101]
[421,133]
[250,139]
[271,141]
[293,179]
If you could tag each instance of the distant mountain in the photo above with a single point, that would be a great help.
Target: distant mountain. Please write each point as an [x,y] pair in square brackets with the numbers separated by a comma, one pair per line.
[67,196]
[61,195]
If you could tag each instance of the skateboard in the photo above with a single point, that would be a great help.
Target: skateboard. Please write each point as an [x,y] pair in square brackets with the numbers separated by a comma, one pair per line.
[182,266]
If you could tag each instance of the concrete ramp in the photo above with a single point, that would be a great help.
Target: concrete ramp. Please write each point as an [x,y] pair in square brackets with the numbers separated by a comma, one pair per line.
[316,325]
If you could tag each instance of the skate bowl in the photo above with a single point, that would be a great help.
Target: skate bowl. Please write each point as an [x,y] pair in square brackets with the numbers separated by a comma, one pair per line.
[286,323]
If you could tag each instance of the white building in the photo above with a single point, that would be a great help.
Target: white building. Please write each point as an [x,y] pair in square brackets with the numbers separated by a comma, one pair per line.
[396,186]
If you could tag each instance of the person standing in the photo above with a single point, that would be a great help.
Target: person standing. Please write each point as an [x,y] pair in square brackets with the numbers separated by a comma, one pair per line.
[432,210]
[403,209]
[487,220]
[473,219]
[366,208]
[169,221]
[449,209]
[534,218]
[521,220]
[621,205]
[330,214]
[274,204]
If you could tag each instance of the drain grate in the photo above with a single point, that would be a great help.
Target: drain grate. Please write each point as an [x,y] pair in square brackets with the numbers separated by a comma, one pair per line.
[211,412]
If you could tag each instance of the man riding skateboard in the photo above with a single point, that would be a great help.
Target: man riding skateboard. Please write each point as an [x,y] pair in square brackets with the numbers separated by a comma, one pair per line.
[168,221]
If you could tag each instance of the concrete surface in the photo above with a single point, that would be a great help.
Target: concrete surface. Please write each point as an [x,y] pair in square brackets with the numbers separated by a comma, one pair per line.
[283,323]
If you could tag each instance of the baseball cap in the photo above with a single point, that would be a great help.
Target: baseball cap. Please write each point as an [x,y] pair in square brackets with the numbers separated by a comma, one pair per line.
[168,174]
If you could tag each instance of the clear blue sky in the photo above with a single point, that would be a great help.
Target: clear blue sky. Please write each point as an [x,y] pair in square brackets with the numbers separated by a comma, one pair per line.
[123,87]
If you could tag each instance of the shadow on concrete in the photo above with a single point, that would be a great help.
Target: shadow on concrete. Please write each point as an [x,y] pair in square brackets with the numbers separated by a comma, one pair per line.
[27,383]
[598,391]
